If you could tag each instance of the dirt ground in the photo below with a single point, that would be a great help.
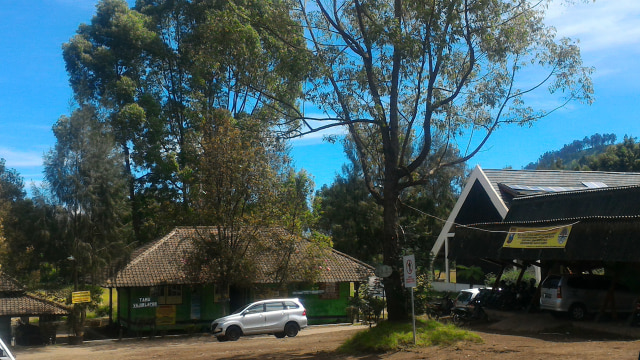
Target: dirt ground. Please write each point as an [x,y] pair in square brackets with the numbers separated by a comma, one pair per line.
[536,337]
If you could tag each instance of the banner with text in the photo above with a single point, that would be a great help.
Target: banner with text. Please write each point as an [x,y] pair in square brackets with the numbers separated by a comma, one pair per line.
[537,238]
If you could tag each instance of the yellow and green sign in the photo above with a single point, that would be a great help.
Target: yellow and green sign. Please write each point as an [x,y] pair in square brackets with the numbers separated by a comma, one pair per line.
[78,297]
[537,237]
[166,315]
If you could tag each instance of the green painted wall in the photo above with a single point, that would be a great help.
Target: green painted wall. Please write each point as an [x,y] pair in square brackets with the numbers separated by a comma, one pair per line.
[325,311]
[319,311]
[142,319]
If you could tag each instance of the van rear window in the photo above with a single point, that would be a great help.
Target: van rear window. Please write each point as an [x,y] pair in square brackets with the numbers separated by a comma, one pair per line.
[551,282]
[589,282]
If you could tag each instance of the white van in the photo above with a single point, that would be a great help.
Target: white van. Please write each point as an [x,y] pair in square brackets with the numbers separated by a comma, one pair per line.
[581,294]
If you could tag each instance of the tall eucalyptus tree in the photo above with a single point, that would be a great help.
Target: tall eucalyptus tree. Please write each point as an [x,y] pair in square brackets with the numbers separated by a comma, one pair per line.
[396,72]
[160,68]
[87,180]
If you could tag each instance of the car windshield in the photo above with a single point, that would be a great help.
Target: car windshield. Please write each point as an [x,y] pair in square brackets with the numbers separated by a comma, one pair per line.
[241,309]
[464,296]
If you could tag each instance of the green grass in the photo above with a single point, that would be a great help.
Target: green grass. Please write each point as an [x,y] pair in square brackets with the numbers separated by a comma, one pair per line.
[391,336]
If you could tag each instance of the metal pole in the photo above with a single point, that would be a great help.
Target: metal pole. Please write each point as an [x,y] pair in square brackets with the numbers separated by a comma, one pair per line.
[413,316]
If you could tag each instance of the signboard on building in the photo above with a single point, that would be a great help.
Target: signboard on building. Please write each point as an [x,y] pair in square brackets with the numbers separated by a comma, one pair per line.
[145,302]
[166,315]
[537,237]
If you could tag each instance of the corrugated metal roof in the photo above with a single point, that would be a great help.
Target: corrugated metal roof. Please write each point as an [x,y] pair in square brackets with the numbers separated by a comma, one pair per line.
[163,262]
[556,178]
[620,202]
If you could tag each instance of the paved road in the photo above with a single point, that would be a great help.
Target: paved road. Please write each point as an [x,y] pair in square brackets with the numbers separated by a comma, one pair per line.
[318,340]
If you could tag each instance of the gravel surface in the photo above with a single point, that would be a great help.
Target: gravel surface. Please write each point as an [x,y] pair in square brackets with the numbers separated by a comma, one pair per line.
[551,342]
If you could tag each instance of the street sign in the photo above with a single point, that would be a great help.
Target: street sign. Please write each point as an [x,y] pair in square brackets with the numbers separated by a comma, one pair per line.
[409,263]
[78,297]
[410,281]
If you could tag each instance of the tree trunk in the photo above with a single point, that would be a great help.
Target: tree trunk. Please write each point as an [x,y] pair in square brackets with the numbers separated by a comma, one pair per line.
[135,211]
[391,250]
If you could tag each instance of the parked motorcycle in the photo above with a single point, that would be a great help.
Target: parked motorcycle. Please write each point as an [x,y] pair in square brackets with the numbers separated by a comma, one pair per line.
[438,309]
[472,312]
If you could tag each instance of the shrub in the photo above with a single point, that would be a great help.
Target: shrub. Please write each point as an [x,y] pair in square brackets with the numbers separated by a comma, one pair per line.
[392,336]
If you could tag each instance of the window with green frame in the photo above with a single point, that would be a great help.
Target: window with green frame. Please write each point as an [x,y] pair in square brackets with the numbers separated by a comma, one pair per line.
[167,294]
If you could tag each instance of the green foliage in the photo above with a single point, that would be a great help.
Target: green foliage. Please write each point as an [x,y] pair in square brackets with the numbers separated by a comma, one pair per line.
[100,311]
[623,157]
[86,178]
[394,336]
[424,294]
[293,192]
[399,75]
[350,214]
[571,156]
[246,194]
[346,211]
[510,276]
[597,153]
[366,304]
[159,71]
[470,274]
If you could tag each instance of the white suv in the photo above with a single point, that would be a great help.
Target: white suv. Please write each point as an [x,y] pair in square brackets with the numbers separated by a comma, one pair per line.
[281,317]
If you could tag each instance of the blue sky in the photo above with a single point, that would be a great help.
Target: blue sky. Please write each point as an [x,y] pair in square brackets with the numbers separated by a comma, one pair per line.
[34,90]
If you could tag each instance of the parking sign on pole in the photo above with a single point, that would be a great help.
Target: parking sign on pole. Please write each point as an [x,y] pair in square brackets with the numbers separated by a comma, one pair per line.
[410,281]
[409,262]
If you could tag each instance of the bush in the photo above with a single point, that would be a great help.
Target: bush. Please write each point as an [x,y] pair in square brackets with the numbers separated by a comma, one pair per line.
[365,303]
[393,336]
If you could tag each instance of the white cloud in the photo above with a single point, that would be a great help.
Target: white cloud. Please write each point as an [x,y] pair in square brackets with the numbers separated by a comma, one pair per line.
[318,137]
[21,159]
[601,25]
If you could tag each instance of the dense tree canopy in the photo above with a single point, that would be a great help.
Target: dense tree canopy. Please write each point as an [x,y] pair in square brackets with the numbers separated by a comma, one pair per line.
[86,176]
[179,103]
[160,69]
[622,157]
[11,191]
[191,92]
[569,153]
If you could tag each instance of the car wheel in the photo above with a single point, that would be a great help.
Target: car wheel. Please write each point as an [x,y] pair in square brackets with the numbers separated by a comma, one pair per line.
[233,333]
[457,320]
[577,312]
[291,329]
[222,338]
[280,335]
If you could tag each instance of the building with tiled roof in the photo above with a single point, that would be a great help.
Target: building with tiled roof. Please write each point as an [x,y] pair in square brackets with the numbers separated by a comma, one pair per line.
[489,194]
[162,263]
[15,302]
[156,279]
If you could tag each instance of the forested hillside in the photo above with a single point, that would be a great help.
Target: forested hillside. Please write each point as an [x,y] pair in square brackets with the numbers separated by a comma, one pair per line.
[569,156]
[595,153]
